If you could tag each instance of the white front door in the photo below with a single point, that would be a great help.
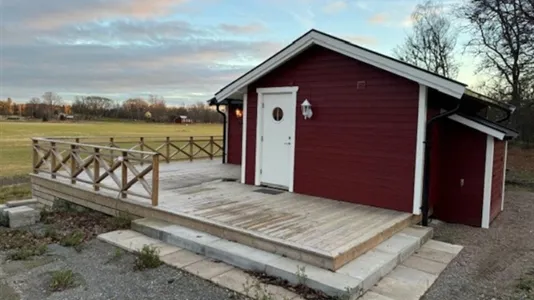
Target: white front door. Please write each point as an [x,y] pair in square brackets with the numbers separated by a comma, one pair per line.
[278,114]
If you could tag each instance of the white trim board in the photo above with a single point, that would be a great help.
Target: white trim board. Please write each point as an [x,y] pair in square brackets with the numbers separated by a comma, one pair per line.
[244,139]
[477,126]
[259,129]
[420,149]
[449,87]
[504,173]
[488,176]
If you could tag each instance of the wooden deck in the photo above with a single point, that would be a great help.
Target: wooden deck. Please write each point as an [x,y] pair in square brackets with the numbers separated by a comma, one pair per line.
[201,195]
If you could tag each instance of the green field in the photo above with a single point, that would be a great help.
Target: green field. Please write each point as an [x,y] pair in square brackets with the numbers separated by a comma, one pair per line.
[15,150]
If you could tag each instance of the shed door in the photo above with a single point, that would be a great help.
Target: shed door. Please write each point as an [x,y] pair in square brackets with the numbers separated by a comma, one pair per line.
[278,118]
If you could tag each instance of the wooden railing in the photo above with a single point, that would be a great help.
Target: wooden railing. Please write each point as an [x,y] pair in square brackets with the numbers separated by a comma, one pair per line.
[168,148]
[93,164]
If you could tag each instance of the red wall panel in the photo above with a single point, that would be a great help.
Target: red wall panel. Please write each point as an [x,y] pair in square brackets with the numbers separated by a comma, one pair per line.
[360,144]
[462,156]
[235,136]
[497,178]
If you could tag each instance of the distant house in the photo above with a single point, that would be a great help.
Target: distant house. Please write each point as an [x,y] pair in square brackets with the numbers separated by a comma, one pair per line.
[183,119]
[63,117]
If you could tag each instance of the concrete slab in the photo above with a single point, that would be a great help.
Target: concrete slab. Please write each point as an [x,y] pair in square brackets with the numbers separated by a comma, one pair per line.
[401,244]
[435,255]
[370,267]
[133,241]
[22,216]
[281,293]
[425,265]
[445,247]
[398,290]
[26,202]
[236,280]
[207,268]
[405,283]
[333,284]
[181,258]
[239,255]
[422,233]
[373,296]
[114,237]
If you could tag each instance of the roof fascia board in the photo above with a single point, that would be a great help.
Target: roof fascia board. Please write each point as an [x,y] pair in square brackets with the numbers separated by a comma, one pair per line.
[477,126]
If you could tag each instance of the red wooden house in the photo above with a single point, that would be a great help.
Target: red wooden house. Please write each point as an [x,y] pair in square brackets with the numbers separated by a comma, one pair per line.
[327,118]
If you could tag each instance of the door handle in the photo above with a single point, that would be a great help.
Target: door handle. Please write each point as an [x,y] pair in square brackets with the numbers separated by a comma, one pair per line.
[288,143]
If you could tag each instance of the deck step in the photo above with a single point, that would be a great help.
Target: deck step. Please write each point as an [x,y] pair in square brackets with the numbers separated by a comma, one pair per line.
[355,277]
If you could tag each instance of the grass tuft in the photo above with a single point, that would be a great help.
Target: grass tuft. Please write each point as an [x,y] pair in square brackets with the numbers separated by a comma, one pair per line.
[62,280]
[147,258]
[15,192]
[27,252]
[73,239]
[122,221]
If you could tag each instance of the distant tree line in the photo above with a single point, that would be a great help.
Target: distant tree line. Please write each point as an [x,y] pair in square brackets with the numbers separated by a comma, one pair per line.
[51,105]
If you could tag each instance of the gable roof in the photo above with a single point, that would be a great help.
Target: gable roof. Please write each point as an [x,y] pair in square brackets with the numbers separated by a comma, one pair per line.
[314,37]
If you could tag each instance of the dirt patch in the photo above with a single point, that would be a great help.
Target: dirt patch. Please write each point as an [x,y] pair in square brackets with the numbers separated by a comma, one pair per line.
[495,263]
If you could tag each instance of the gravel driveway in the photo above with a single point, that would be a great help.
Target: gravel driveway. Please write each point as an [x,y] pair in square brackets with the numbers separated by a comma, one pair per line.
[101,274]
[493,260]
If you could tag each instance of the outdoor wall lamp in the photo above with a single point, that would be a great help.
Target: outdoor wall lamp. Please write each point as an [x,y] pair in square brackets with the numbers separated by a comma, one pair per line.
[306,109]
[238,113]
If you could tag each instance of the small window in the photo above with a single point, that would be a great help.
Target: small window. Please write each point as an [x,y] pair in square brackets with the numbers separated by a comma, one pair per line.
[278,114]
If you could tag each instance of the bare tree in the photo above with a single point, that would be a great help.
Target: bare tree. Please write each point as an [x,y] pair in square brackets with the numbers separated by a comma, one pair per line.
[501,37]
[431,44]
[51,100]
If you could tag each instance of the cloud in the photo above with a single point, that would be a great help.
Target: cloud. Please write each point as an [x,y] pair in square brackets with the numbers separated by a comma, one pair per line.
[117,58]
[58,13]
[381,18]
[335,7]
[361,40]
[243,29]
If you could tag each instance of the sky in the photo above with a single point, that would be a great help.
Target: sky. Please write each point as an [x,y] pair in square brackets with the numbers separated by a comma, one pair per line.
[183,50]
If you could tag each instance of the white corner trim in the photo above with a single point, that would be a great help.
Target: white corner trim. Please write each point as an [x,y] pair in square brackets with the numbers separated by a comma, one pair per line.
[276,90]
[244,140]
[454,89]
[488,175]
[504,173]
[477,126]
[259,130]
[420,150]
[227,121]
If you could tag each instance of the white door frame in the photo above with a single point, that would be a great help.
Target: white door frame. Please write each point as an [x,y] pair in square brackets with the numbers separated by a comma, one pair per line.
[259,131]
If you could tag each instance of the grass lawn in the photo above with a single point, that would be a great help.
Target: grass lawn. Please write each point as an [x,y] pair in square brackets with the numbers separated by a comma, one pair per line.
[15,150]
[15,192]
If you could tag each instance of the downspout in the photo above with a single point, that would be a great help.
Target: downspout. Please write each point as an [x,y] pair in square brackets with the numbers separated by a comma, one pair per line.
[224,130]
[426,177]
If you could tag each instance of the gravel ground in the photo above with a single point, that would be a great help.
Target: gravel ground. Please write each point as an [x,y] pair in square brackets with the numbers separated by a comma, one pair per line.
[100,274]
[492,261]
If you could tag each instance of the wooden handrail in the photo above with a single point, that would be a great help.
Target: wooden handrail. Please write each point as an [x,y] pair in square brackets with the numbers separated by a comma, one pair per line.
[141,148]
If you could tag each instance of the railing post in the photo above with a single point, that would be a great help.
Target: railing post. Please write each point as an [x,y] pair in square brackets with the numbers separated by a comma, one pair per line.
[168,149]
[96,170]
[72,163]
[111,145]
[53,159]
[35,144]
[190,148]
[142,148]
[155,179]
[124,173]
[211,147]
